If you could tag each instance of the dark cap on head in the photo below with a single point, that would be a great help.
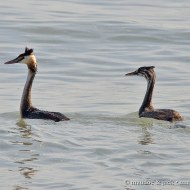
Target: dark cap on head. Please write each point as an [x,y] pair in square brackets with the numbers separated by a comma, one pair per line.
[28,51]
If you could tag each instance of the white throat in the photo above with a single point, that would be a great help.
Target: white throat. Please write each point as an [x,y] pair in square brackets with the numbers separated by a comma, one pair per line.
[29,59]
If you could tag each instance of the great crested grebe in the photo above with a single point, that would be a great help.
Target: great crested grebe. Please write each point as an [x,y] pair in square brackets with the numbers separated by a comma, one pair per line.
[147,109]
[26,108]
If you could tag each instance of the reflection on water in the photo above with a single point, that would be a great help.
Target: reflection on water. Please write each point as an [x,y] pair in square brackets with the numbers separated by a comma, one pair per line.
[25,157]
[27,172]
[24,161]
[22,123]
[146,137]
[19,188]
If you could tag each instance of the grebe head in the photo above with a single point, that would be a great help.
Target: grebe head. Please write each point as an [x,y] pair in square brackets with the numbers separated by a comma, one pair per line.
[27,58]
[146,72]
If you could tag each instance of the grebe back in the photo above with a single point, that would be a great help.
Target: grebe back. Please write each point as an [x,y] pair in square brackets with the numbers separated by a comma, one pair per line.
[26,108]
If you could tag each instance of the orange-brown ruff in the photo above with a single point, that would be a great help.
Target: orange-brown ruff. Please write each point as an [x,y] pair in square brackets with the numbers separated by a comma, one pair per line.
[26,108]
[147,109]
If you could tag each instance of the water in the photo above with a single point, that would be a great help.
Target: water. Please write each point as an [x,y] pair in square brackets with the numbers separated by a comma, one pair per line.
[84,48]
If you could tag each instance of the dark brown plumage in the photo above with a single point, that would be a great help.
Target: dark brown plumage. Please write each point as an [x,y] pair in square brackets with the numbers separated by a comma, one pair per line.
[26,108]
[147,109]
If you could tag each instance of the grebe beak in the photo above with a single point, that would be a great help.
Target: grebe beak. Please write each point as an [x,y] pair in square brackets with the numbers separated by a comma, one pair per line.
[132,73]
[16,60]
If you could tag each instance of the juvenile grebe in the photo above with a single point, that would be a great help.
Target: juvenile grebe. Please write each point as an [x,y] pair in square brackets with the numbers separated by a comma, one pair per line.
[147,109]
[26,108]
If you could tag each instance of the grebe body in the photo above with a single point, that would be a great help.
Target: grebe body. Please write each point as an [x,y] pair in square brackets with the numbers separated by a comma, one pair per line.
[27,110]
[147,109]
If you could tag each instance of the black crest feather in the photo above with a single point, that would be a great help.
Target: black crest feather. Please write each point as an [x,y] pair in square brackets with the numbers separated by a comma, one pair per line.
[28,51]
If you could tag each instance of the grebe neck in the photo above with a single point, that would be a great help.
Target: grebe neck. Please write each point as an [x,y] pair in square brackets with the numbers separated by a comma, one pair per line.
[147,104]
[26,100]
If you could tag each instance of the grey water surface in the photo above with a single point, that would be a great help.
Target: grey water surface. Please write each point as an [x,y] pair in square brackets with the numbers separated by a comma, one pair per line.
[84,48]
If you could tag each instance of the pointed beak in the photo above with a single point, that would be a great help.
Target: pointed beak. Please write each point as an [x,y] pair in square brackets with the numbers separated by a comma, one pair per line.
[132,73]
[16,60]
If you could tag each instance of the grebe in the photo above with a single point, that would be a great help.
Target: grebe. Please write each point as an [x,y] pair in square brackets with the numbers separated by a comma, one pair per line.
[26,108]
[147,109]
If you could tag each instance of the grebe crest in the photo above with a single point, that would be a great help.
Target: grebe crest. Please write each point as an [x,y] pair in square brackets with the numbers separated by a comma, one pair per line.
[147,108]
[26,108]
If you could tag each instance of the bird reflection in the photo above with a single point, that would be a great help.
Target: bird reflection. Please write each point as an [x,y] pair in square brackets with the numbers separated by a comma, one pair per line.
[27,172]
[26,154]
[22,123]
[146,137]
[20,188]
